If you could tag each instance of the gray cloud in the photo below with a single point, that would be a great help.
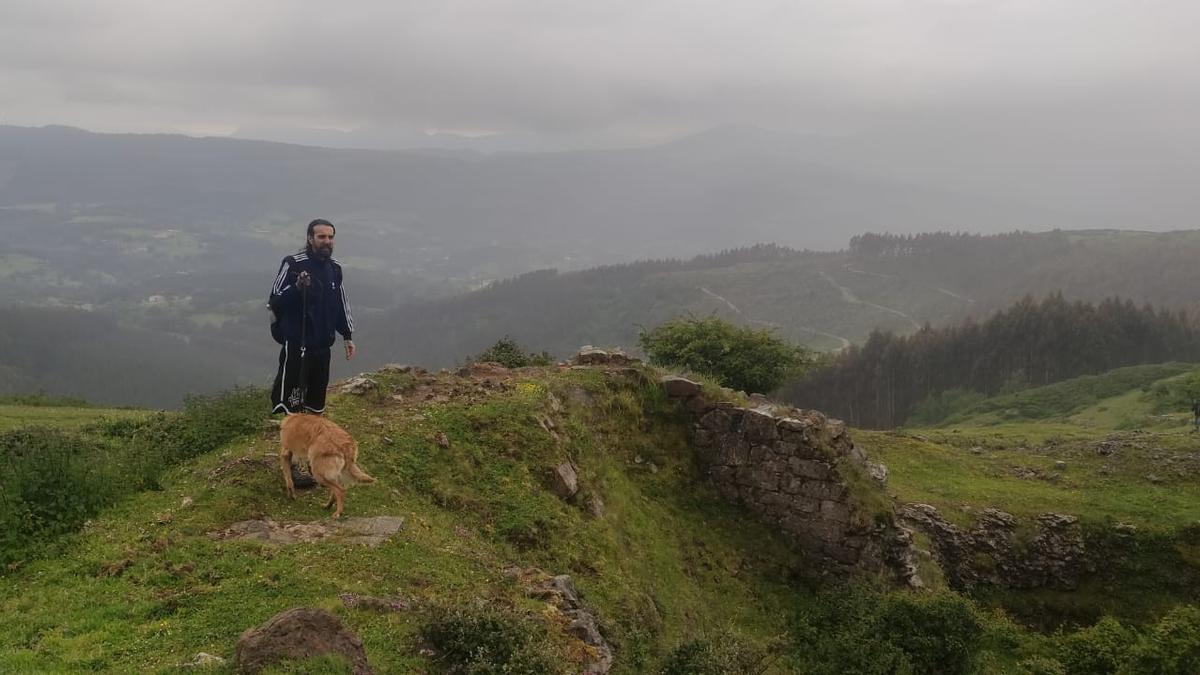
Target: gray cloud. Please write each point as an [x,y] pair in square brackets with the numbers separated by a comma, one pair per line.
[617,70]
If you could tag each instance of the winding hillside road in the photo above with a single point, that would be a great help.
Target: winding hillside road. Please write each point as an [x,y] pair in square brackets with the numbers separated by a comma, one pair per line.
[895,276]
[844,342]
[850,297]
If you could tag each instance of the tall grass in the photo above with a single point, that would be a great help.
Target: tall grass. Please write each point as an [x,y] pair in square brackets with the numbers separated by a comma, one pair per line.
[52,481]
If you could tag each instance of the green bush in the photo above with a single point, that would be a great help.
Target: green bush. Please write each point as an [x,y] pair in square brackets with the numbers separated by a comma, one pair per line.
[205,424]
[484,641]
[1170,647]
[937,632]
[509,354]
[1098,649]
[723,654]
[860,629]
[741,358]
[50,483]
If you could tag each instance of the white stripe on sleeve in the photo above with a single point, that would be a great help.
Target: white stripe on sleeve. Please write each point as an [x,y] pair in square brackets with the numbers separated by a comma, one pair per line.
[346,307]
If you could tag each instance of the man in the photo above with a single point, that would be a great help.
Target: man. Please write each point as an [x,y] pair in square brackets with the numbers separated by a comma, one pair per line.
[309,305]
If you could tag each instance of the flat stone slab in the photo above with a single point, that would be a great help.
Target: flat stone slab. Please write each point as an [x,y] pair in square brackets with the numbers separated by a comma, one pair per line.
[358,531]
[679,387]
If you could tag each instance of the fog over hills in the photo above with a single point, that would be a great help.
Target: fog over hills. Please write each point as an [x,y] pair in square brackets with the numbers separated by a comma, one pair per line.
[720,189]
[176,238]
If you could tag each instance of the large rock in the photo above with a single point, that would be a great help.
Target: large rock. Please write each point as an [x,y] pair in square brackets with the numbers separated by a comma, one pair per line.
[878,471]
[679,387]
[564,481]
[591,356]
[358,385]
[299,633]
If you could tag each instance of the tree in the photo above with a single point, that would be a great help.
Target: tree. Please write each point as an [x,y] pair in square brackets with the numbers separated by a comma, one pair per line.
[738,357]
[509,354]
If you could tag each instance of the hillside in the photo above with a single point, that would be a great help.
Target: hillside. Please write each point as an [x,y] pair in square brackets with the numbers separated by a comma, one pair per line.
[1117,451]
[893,379]
[823,300]
[677,578]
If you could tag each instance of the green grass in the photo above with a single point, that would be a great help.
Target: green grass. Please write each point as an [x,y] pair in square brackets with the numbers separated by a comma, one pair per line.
[674,574]
[62,417]
[1125,458]
[944,471]
[1128,458]
[667,558]
[1063,399]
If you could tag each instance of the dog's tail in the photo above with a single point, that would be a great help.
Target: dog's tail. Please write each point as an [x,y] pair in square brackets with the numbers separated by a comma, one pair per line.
[357,473]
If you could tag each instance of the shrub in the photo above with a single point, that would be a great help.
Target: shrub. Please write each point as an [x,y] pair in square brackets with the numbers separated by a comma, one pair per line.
[484,641]
[509,354]
[1170,647]
[205,424]
[937,632]
[723,654]
[51,482]
[742,358]
[862,630]
[1098,649]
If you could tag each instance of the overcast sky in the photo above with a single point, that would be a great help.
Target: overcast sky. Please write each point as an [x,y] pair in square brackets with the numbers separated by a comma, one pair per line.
[623,71]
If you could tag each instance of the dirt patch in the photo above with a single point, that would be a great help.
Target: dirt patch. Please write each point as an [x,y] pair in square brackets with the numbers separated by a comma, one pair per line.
[357,531]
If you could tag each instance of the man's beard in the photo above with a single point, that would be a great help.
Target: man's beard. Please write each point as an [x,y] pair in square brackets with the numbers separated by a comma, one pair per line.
[323,251]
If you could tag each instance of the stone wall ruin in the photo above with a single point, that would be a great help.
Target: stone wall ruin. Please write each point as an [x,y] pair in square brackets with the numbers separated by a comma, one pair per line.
[800,471]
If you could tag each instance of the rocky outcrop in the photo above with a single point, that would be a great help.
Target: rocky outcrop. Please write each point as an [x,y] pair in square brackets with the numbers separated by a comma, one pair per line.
[800,471]
[358,385]
[560,591]
[995,550]
[564,480]
[591,356]
[299,633]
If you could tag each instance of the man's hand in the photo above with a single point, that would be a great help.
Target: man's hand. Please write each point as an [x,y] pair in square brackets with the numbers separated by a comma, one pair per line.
[349,349]
[304,280]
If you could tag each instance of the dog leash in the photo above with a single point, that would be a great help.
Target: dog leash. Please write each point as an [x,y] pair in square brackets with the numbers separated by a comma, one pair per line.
[303,347]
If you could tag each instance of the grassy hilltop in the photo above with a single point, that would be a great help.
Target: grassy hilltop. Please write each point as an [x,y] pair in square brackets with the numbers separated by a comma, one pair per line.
[678,580]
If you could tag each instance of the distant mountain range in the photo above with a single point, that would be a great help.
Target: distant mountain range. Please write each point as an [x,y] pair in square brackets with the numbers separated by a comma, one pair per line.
[824,300]
[181,236]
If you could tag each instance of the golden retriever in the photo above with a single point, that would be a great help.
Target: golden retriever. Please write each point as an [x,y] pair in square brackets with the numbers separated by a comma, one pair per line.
[329,450]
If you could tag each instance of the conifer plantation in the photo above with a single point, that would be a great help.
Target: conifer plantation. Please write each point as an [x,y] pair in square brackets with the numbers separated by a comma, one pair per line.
[879,383]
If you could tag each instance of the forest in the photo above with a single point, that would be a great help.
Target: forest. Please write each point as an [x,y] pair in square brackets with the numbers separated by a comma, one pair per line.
[879,383]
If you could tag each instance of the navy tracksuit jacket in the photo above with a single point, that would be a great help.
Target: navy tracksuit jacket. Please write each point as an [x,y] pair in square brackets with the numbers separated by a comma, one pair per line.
[326,306]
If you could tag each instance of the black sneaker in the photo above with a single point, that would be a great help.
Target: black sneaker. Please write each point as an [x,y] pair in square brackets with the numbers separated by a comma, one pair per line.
[301,479]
